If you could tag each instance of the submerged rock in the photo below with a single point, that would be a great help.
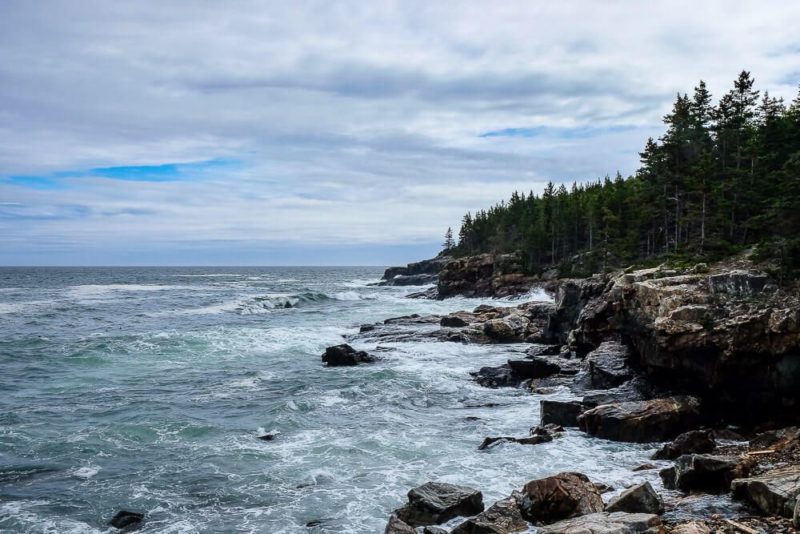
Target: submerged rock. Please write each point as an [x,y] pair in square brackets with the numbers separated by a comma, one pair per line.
[559,497]
[692,442]
[345,355]
[124,519]
[774,492]
[434,503]
[642,421]
[641,498]
[704,472]
[608,523]
[503,517]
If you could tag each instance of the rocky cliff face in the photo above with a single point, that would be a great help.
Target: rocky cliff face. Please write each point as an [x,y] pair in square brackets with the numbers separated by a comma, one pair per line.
[417,273]
[484,275]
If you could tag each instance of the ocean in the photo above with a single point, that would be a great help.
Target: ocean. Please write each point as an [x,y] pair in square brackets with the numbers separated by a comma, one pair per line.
[146,389]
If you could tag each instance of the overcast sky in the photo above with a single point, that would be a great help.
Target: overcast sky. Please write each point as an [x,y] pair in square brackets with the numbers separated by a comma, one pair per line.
[161,132]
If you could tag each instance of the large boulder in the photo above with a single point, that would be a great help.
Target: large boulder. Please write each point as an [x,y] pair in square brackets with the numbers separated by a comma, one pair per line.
[502,517]
[124,519]
[509,328]
[434,503]
[559,497]
[397,526]
[608,523]
[705,472]
[642,421]
[774,492]
[608,365]
[345,355]
[692,442]
[564,413]
[497,377]
[641,498]
[535,367]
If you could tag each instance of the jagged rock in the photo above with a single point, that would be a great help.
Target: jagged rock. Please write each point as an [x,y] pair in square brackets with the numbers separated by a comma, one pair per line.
[608,523]
[774,492]
[484,275]
[608,365]
[692,527]
[544,350]
[345,355]
[503,517]
[429,267]
[453,321]
[796,518]
[530,440]
[706,472]
[433,530]
[509,328]
[564,413]
[397,526]
[537,367]
[124,519]
[497,377]
[559,497]
[737,283]
[776,439]
[641,498]
[634,390]
[642,421]
[429,294]
[692,442]
[434,503]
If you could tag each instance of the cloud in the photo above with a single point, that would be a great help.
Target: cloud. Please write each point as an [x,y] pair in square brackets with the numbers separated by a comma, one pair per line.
[303,126]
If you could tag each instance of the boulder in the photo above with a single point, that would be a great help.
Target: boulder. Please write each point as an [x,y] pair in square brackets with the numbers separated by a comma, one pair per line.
[692,442]
[564,413]
[608,523]
[501,518]
[509,328]
[536,367]
[434,503]
[345,355]
[124,519]
[642,421]
[496,377]
[530,440]
[774,492]
[641,498]
[705,472]
[608,365]
[396,526]
[559,497]
[434,530]
[692,527]
[453,321]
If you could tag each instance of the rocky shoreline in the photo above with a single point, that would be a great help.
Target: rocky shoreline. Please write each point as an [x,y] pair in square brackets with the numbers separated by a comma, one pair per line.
[705,360]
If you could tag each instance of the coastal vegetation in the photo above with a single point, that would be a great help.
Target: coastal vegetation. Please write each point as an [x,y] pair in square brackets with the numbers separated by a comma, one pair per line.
[723,177]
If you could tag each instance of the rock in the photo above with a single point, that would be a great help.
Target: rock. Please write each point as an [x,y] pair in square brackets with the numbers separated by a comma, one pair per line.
[643,467]
[608,365]
[559,497]
[410,280]
[536,367]
[705,472]
[510,328]
[608,523]
[642,421]
[453,321]
[497,377]
[396,526]
[484,275]
[424,267]
[345,355]
[434,503]
[124,519]
[501,518]
[796,517]
[564,413]
[692,442]
[269,436]
[692,527]
[429,294]
[737,282]
[433,530]
[641,498]
[774,492]
[530,440]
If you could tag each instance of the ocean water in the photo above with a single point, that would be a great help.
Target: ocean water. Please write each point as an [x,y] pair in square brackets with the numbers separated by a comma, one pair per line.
[146,388]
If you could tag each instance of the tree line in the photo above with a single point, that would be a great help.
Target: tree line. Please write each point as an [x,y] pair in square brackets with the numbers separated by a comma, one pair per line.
[720,179]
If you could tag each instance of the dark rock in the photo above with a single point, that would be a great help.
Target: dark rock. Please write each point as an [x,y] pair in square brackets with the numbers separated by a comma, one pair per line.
[608,365]
[776,439]
[434,503]
[608,523]
[397,526]
[642,421]
[410,280]
[497,377]
[637,389]
[429,294]
[692,442]
[643,467]
[502,517]
[366,328]
[796,517]
[603,488]
[641,498]
[124,519]
[774,492]
[530,440]
[453,321]
[429,267]
[536,367]
[434,530]
[484,275]
[563,413]
[559,497]
[705,472]
[345,355]
[270,436]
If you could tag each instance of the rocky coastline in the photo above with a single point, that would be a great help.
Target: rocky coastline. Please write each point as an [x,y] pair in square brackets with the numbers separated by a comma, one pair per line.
[703,360]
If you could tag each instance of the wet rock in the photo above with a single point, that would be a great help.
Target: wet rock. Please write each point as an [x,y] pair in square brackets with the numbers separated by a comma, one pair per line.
[536,367]
[692,442]
[453,321]
[429,294]
[124,519]
[501,518]
[608,365]
[269,436]
[345,355]
[424,267]
[410,280]
[796,517]
[496,377]
[564,413]
[643,467]
[544,350]
[433,530]
[692,527]
[484,275]
[510,328]
[642,421]
[603,488]
[559,497]
[530,440]
[434,503]
[608,523]
[705,472]
[641,498]
[774,492]
[637,389]
[396,526]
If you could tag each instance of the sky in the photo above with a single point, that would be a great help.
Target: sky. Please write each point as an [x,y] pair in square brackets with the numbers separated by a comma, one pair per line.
[335,133]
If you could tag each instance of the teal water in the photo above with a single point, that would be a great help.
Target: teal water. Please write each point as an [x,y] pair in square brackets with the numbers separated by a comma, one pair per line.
[146,388]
